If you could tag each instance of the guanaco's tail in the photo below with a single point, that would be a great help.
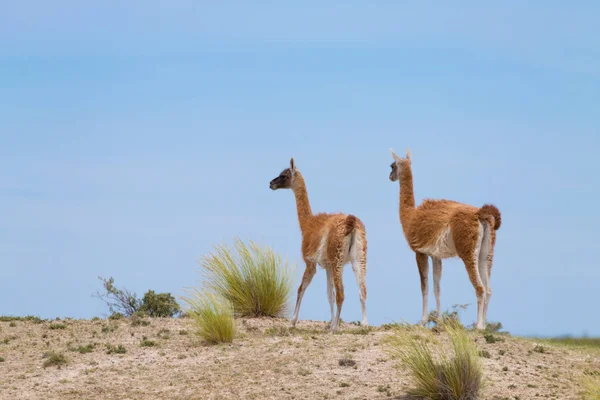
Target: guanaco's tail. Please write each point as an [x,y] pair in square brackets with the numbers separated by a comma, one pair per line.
[350,229]
[490,212]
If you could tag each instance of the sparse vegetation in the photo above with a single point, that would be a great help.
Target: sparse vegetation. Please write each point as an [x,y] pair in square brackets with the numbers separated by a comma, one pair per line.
[2,359]
[451,316]
[585,342]
[147,342]
[30,318]
[116,316]
[346,362]
[118,349]
[255,280]
[54,359]
[484,354]
[437,373]
[84,349]
[384,389]
[57,325]
[491,338]
[540,349]
[137,320]
[125,303]
[212,316]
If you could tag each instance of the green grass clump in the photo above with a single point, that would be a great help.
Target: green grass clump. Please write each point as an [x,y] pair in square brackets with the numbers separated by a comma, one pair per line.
[212,316]
[255,280]
[438,373]
[591,387]
[147,342]
[54,359]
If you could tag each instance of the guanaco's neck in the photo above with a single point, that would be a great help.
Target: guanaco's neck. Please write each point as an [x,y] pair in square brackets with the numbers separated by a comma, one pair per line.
[407,196]
[302,203]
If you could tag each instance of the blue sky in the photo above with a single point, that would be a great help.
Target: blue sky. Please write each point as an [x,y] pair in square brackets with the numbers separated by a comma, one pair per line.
[134,136]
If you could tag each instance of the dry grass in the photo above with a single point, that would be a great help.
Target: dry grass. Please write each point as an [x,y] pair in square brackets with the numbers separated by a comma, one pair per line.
[439,372]
[253,278]
[591,387]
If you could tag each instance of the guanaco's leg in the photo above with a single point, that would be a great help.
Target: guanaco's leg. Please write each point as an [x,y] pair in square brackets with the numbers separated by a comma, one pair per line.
[423,264]
[311,270]
[437,277]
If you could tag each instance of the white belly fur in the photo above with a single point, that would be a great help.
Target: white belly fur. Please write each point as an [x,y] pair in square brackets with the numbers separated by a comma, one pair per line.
[320,256]
[443,247]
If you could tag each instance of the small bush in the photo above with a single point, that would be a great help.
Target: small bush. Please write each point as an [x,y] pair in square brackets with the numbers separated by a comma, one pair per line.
[540,349]
[254,281]
[439,374]
[493,327]
[491,338]
[12,324]
[346,362]
[116,316]
[57,326]
[159,305]
[212,316]
[54,359]
[2,359]
[147,342]
[484,354]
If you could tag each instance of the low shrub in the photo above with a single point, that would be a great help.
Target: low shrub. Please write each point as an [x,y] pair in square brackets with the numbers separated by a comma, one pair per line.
[122,302]
[54,359]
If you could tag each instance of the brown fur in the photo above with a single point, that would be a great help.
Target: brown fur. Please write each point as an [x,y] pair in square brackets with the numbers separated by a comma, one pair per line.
[341,231]
[425,226]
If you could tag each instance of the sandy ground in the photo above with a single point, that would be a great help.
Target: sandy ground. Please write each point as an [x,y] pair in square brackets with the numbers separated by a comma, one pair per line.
[266,361]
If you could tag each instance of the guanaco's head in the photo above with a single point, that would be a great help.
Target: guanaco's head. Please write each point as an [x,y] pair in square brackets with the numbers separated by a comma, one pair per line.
[285,178]
[398,165]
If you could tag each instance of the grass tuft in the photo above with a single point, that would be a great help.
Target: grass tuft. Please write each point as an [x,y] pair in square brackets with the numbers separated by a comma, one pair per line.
[591,387]
[438,374]
[255,280]
[145,342]
[212,316]
[54,359]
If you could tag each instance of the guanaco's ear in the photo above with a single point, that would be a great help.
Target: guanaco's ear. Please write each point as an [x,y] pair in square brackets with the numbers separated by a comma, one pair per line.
[396,158]
[408,154]
[292,165]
